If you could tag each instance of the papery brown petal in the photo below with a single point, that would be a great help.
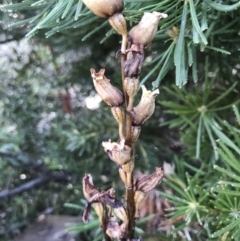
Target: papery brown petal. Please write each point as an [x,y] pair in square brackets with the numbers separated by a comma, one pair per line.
[146,183]
[111,95]
[105,8]
[144,110]
[88,188]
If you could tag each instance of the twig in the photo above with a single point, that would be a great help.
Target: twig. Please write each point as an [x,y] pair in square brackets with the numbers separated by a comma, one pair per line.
[57,177]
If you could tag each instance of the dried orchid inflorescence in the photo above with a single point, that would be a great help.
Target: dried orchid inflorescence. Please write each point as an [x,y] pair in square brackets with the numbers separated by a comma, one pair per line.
[144,110]
[110,94]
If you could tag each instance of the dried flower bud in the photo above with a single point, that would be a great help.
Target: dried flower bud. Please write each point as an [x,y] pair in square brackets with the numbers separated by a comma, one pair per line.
[146,29]
[128,168]
[139,196]
[146,183]
[110,94]
[143,111]
[118,114]
[105,8]
[131,87]
[123,175]
[135,133]
[116,231]
[118,152]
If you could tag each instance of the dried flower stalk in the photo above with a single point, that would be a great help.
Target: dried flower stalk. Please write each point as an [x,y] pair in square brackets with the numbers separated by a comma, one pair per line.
[129,119]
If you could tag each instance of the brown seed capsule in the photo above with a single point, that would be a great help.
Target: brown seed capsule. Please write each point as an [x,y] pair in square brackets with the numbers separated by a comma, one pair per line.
[123,175]
[146,183]
[128,168]
[105,8]
[135,133]
[118,152]
[110,94]
[143,111]
[118,22]
[146,29]
[131,87]
[118,114]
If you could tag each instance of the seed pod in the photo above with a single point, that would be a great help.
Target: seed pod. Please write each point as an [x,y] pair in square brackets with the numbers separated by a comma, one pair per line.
[110,94]
[135,133]
[118,114]
[105,8]
[131,87]
[146,29]
[123,175]
[143,111]
[118,152]
[118,22]
[146,183]
[128,168]
[139,196]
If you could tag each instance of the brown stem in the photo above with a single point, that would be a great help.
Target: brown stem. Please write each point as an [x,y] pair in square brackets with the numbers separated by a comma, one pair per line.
[105,222]
[129,190]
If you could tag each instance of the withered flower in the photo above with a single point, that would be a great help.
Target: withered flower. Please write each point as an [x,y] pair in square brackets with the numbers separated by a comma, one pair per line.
[105,8]
[90,191]
[118,152]
[143,111]
[146,183]
[110,94]
[146,29]
[135,57]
